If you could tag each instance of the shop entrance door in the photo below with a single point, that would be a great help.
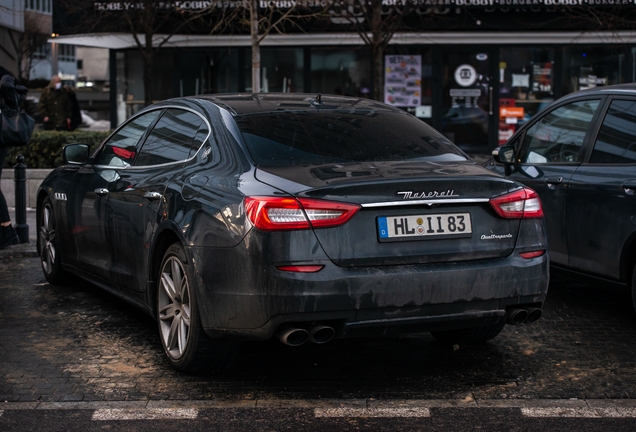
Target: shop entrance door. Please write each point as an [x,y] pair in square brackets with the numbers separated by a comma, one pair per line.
[467,99]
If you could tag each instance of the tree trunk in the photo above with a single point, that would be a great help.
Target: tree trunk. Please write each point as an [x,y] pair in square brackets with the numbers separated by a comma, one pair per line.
[378,49]
[148,72]
[256,47]
[378,73]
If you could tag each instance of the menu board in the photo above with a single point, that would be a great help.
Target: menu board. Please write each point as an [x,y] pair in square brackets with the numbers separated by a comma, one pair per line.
[403,80]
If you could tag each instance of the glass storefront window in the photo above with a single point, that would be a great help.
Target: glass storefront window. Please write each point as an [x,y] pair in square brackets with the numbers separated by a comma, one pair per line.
[209,71]
[341,71]
[526,86]
[466,109]
[588,67]
[281,70]
[420,103]
[130,81]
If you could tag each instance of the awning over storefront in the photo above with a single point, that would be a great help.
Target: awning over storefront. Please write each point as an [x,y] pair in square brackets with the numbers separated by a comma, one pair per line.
[126,41]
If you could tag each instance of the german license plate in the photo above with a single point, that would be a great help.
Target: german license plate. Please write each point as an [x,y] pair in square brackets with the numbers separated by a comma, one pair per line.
[429,226]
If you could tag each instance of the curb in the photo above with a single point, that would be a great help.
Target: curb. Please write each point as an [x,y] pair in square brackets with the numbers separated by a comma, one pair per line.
[22,250]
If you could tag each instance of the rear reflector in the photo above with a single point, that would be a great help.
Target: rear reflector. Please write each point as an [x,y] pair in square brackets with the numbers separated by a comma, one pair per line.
[278,213]
[533,254]
[520,204]
[301,268]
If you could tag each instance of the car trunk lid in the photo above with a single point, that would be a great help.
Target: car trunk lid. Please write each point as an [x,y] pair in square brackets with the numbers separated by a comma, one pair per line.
[411,213]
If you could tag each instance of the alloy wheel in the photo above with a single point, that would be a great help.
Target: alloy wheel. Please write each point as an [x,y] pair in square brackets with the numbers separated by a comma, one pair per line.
[174,307]
[47,239]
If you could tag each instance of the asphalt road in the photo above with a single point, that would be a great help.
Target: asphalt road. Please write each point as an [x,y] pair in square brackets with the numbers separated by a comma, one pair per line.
[69,352]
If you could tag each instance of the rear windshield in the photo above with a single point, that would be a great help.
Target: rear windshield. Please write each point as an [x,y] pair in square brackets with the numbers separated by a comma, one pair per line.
[325,137]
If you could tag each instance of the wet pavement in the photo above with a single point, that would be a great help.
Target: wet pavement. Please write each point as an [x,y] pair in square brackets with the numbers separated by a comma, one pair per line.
[79,343]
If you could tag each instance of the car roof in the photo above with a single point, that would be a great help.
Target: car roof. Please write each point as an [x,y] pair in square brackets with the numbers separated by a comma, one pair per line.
[629,88]
[255,103]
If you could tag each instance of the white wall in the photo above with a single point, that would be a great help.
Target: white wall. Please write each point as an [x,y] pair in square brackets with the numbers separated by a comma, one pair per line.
[95,63]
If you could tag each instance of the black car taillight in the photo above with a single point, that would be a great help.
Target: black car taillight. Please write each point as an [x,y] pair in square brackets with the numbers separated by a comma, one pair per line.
[278,213]
[520,204]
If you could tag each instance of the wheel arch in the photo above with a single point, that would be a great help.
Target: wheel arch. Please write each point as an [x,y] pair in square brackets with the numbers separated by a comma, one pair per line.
[165,238]
[41,196]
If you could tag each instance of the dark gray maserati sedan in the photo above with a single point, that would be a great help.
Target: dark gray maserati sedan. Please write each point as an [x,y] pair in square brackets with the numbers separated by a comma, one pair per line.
[307,218]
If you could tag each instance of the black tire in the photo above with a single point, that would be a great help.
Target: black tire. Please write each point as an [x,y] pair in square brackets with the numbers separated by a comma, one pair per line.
[187,346]
[49,247]
[469,336]
[633,289]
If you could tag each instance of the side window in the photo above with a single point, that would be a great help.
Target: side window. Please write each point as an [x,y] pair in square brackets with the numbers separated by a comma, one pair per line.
[177,136]
[616,142]
[120,150]
[558,136]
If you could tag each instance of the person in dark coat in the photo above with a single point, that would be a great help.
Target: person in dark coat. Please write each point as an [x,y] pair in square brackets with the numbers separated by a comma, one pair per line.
[56,106]
[76,112]
[8,235]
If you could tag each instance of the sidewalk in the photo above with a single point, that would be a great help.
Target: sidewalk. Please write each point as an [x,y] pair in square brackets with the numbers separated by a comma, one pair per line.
[23,249]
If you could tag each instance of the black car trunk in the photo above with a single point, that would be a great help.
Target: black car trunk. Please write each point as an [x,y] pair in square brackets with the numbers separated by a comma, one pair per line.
[411,213]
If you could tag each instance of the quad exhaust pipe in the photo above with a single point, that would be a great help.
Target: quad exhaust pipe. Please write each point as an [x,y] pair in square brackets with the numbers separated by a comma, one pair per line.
[318,334]
[523,315]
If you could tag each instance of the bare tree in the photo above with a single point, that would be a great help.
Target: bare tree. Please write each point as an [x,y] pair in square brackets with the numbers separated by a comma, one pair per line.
[151,23]
[264,18]
[33,39]
[376,23]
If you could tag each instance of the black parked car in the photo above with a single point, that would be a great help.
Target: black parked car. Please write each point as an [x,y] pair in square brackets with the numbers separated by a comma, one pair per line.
[239,217]
[579,154]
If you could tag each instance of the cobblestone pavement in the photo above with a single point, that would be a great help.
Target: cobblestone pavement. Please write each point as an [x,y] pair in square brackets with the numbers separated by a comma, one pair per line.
[60,344]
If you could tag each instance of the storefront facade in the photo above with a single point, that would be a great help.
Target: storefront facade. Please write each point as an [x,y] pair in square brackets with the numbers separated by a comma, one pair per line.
[476,84]
[502,85]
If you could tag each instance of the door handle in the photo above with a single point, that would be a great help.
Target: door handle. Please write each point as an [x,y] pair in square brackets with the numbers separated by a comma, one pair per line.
[553,182]
[630,187]
[490,100]
[153,195]
[101,191]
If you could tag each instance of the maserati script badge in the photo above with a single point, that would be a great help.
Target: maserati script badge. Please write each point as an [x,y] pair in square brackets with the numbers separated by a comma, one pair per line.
[432,194]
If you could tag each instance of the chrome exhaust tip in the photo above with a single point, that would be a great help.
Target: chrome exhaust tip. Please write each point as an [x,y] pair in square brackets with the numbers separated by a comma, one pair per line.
[293,336]
[516,316]
[320,334]
[533,314]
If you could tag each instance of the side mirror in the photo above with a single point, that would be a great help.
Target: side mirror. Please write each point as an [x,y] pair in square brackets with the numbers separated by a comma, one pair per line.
[504,155]
[75,154]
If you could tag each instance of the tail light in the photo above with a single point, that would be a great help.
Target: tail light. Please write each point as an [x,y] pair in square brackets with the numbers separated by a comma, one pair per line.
[520,204]
[277,213]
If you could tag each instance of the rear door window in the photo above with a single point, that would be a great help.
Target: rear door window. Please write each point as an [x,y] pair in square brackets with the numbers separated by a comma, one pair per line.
[559,135]
[177,136]
[121,149]
[616,141]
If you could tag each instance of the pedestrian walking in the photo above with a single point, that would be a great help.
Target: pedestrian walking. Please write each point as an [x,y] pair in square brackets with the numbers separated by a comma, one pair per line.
[8,235]
[76,113]
[56,106]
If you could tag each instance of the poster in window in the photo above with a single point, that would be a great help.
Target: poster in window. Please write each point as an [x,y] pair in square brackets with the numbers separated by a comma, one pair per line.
[403,80]
[542,77]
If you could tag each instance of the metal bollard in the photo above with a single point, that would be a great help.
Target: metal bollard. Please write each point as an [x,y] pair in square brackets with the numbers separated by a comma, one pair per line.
[19,177]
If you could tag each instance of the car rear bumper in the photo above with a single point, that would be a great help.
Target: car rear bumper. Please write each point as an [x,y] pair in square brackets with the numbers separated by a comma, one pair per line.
[252,302]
